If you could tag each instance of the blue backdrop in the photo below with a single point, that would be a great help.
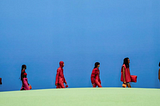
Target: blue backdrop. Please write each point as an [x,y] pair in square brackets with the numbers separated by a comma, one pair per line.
[40,33]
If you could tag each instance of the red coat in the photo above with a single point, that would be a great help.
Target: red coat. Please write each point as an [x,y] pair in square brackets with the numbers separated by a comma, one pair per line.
[60,76]
[95,75]
[127,74]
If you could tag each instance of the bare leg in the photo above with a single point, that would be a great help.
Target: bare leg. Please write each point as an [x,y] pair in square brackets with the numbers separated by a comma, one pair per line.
[129,86]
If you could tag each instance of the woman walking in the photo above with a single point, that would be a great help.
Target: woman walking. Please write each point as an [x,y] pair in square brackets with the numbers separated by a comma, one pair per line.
[95,78]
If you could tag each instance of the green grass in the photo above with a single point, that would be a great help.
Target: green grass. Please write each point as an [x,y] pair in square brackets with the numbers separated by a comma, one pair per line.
[82,97]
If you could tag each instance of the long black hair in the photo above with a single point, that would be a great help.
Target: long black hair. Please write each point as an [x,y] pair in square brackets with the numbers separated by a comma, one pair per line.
[125,61]
[96,64]
[22,72]
[159,64]
[23,67]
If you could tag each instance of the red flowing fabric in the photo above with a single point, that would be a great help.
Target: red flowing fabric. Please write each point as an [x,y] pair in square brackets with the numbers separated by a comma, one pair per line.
[95,79]
[127,74]
[133,78]
[60,80]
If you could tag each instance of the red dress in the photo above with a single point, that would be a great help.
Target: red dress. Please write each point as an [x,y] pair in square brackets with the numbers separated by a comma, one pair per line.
[25,84]
[95,79]
[60,80]
[127,74]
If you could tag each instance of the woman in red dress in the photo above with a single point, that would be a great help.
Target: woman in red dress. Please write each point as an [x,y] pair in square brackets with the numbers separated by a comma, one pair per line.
[125,73]
[95,78]
[60,80]
[25,84]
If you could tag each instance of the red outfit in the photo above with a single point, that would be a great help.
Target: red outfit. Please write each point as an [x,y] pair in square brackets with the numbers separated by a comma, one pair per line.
[127,74]
[95,79]
[22,74]
[25,84]
[60,80]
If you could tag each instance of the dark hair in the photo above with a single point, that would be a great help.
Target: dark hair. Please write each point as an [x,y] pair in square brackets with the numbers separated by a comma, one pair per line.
[96,64]
[24,67]
[22,72]
[159,64]
[125,61]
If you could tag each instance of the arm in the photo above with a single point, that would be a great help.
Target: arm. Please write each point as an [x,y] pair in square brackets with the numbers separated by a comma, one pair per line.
[92,77]
[22,78]
[57,75]
[22,82]
[124,75]
[99,77]
[64,80]
[62,75]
